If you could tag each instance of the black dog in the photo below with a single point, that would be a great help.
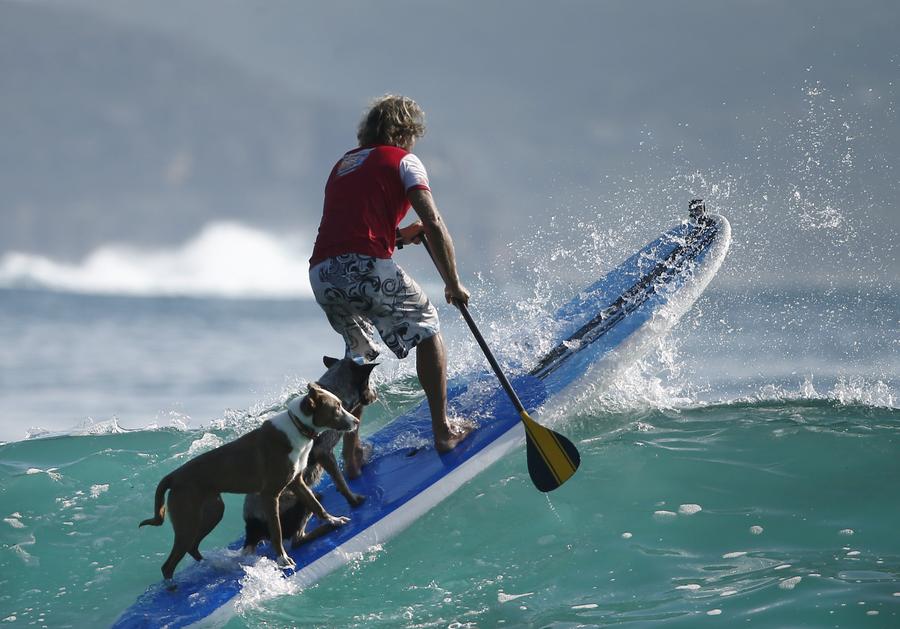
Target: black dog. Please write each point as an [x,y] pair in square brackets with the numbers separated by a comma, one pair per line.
[349,381]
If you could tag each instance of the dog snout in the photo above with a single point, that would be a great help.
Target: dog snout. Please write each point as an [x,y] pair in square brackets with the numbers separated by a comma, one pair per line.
[348,422]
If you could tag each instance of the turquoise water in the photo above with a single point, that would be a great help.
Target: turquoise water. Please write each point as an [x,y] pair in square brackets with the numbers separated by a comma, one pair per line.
[622,542]
[744,473]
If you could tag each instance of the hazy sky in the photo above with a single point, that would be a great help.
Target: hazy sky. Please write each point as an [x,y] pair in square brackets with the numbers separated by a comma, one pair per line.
[541,115]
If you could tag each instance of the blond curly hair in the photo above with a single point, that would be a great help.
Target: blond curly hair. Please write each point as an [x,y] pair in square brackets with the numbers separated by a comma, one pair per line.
[393,120]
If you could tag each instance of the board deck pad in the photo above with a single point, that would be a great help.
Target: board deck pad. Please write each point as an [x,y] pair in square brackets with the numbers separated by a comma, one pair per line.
[406,476]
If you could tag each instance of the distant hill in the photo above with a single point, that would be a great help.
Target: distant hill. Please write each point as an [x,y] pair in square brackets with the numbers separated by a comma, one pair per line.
[578,125]
[113,133]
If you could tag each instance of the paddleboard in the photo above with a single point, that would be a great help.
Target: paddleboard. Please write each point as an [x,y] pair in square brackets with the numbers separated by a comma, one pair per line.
[602,328]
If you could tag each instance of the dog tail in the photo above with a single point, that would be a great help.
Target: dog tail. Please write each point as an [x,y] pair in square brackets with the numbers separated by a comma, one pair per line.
[159,505]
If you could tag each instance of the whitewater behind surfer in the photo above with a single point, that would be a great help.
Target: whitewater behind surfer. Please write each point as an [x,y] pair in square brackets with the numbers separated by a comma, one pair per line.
[353,275]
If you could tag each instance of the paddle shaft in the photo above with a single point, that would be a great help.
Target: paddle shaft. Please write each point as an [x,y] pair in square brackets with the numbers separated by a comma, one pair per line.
[552,459]
[490,356]
[481,342]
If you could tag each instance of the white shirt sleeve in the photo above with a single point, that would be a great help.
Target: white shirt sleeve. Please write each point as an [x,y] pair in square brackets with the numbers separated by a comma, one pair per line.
[412,173]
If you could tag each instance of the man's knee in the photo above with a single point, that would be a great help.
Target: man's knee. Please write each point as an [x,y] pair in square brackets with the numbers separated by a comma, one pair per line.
[431,347]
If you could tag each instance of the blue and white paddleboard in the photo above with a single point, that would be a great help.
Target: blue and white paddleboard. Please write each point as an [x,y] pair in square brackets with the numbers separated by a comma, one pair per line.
[602,329]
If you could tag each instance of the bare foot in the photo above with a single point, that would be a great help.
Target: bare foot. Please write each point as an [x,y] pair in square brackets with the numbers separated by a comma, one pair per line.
[456,432]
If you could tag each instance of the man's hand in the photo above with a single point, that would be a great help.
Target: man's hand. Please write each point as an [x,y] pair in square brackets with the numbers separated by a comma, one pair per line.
[411,234]
[456,294]
[440,245]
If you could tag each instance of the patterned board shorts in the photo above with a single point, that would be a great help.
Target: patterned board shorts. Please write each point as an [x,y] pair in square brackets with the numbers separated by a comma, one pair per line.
[361,294]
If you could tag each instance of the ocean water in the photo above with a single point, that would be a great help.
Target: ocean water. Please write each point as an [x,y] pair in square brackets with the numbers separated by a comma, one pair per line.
[744,473]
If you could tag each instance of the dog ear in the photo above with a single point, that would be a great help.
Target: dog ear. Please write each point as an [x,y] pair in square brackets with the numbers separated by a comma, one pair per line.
[329,361]
[365,369]
[315,392]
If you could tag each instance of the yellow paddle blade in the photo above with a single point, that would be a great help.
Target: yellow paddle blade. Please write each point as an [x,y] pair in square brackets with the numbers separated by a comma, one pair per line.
[552,459]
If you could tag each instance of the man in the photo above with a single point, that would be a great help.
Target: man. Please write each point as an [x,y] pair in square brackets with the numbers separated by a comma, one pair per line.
[353,275]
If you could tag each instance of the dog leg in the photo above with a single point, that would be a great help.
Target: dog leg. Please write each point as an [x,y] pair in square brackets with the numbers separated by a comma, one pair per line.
[270,506]
[354,451]
[179,550]
[184,514]
[254,532]
[329,462]
[308,498]
[316,533]
[211,515]
[300,534]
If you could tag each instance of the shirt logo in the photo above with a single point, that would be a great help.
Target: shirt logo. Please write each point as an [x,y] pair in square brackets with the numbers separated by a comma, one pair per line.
[352,161]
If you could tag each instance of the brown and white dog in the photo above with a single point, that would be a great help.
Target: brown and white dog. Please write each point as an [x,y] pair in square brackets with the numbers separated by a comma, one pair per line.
[350,382]
[264,461]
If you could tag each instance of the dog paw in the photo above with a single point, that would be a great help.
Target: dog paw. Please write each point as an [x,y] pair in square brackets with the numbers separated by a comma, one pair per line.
[354,500]
[337,521]
[248,550]
[170,584]
[286,562]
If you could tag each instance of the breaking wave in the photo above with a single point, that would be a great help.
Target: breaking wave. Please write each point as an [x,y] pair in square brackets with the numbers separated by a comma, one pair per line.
[224,259]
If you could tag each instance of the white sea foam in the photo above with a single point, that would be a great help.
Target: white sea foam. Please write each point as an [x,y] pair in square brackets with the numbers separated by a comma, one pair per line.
[51,472]
[847,391]
[89,427]
[859,391]
[502,597]
[263,580]
[207,442]
[27,558]
[650,382]
[84,428]
[224,260]
[358,560]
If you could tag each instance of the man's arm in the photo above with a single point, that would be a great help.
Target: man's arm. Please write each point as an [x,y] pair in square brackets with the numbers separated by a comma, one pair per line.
[441,244]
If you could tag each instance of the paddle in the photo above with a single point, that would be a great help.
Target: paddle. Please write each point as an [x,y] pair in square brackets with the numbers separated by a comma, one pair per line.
[552,459]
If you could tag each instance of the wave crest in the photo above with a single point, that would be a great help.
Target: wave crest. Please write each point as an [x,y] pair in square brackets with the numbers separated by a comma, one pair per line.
[225,259]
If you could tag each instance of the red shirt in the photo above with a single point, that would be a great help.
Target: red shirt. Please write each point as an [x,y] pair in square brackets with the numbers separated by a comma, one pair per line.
[365,200]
